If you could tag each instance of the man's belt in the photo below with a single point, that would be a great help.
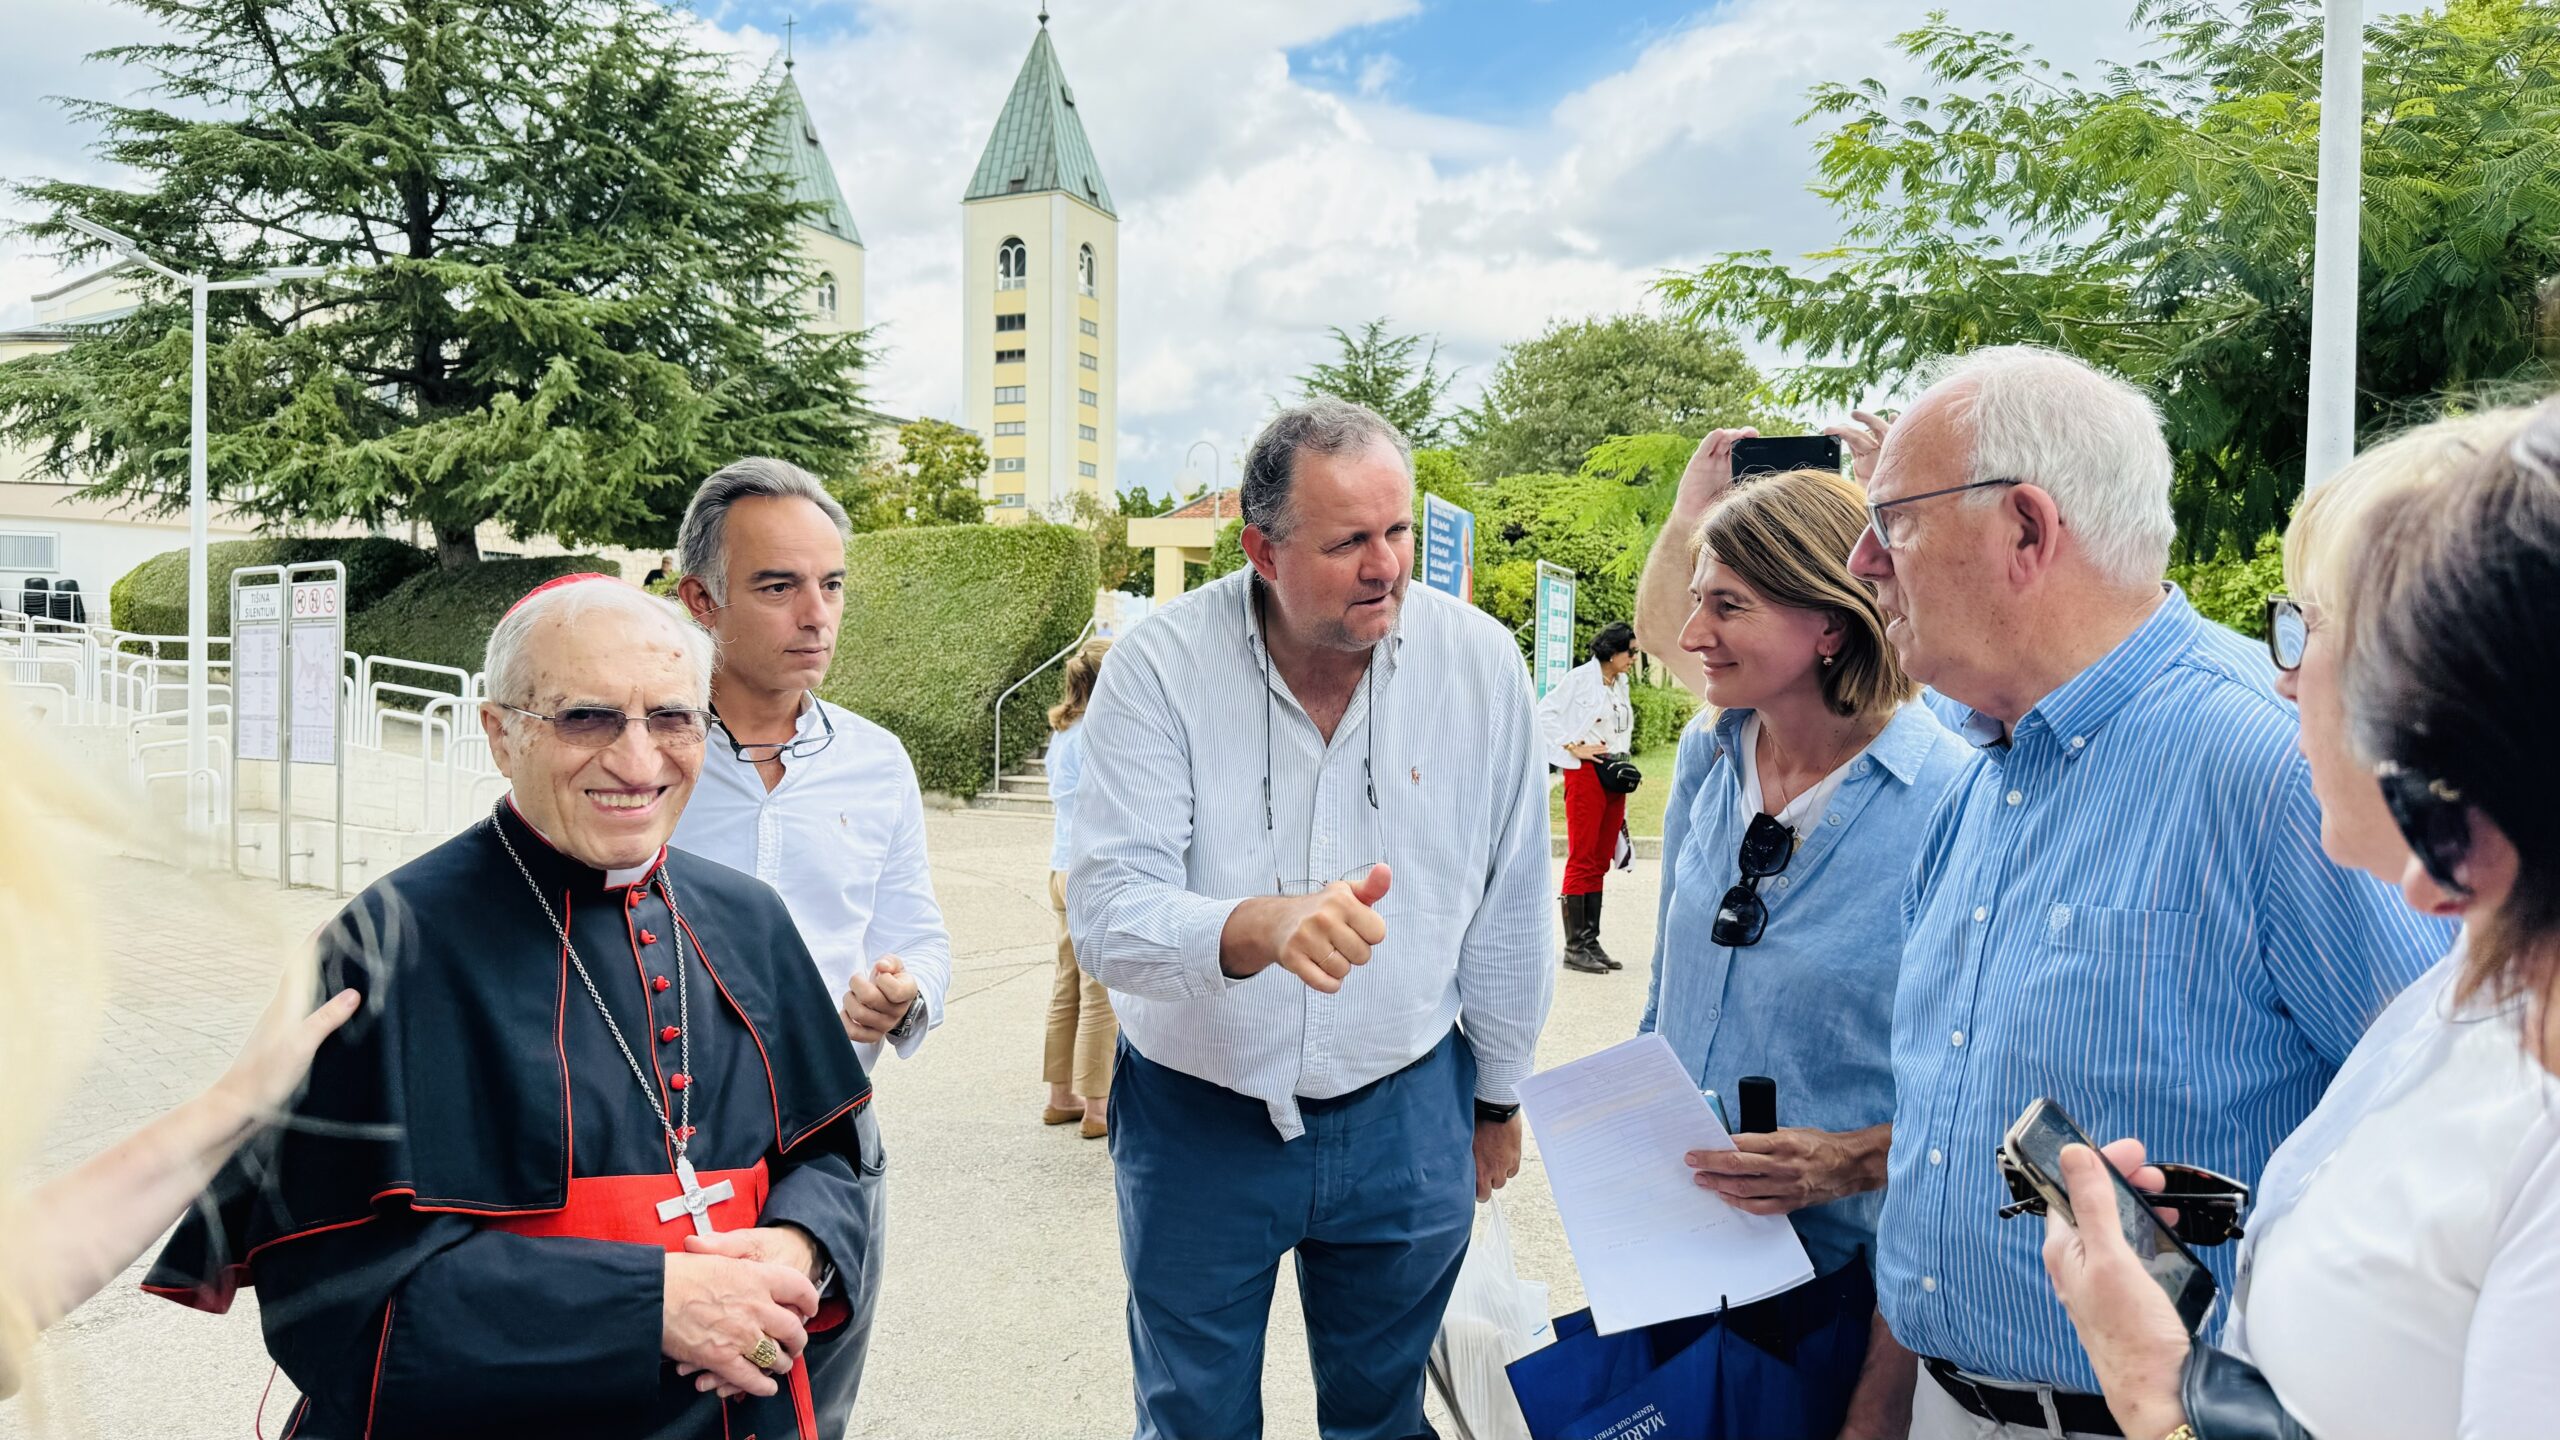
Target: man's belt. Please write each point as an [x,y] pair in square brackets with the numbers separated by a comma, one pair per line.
[2036,1407]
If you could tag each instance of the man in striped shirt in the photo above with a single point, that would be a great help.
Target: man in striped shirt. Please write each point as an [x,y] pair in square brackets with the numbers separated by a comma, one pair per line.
[2122,905]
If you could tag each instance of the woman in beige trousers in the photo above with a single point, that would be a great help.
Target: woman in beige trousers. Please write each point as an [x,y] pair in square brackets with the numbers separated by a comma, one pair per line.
[1076,1059]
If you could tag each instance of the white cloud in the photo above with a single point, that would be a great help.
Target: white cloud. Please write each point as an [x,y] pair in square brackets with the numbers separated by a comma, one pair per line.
[1257,208]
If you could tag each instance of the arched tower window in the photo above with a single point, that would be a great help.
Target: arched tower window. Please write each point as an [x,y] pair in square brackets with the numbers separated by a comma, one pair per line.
[1013,265]
[1086,271]
[827,295]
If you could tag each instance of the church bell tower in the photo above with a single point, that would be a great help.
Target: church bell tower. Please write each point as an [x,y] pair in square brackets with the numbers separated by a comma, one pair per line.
[1041,278]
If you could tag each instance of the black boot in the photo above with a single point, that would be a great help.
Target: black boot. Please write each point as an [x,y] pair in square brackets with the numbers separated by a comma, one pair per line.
[1591,931]
[1577,952]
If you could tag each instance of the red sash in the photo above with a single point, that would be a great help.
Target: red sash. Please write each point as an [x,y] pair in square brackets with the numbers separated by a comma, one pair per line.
[625,1208]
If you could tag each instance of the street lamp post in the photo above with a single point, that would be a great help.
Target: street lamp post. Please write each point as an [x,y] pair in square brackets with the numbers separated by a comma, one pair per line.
[2329,438]
[199,750]
[1213,462]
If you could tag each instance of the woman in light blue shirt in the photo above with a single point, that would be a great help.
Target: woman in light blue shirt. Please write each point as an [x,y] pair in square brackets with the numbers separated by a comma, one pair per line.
[1797,808]
[1076,1057]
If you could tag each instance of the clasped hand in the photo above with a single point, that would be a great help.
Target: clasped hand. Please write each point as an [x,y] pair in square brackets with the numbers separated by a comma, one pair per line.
[875,1003]
[726,1292]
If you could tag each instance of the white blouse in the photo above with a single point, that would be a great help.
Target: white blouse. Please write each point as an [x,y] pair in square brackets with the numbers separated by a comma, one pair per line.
[2402,1279]
[1584,708]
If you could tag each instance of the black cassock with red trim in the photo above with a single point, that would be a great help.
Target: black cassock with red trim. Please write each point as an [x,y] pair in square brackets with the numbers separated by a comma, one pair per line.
[458,1231]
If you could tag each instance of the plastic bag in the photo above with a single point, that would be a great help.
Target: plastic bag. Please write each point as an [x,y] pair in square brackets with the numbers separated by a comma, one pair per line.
[1494,1317]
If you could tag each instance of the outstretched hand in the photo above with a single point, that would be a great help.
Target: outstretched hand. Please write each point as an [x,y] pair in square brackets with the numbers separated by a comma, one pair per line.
[270,1068]
[1317,938]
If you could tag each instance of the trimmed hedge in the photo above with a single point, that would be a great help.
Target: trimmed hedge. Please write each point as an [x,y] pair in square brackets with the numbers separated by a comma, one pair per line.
[151,599]
[444,617]
[939,619]
[1662,712]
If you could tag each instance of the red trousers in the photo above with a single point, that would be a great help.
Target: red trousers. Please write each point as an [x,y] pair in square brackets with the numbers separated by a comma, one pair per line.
[1592,819]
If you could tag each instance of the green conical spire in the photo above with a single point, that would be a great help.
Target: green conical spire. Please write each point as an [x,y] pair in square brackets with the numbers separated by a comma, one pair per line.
[1039,143]
[791,147]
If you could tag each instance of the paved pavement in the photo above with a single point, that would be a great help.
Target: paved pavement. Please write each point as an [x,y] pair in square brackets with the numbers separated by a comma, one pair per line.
[1002,1315]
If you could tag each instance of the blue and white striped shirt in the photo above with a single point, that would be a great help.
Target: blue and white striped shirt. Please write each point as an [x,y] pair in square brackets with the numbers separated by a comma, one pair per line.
[2125,909]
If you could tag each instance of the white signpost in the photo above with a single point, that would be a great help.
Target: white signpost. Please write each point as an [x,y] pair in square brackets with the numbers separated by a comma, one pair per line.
[288,634]
[257,670]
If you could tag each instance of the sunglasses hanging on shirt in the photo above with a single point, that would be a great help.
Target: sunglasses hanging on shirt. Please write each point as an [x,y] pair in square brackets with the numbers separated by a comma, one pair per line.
[1368,765]
[1767,846]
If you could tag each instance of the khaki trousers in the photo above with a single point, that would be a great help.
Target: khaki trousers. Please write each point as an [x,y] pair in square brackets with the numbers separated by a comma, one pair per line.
[1081,1028]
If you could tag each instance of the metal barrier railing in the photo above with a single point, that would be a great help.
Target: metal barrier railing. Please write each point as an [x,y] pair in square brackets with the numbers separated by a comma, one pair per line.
[995,771]
[92,675]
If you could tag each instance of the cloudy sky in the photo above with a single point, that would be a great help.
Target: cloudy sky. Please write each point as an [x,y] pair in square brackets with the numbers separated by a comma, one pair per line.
[1472,168]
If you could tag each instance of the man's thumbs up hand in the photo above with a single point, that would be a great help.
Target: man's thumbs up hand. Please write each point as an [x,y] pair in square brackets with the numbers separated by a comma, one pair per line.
[1317,938]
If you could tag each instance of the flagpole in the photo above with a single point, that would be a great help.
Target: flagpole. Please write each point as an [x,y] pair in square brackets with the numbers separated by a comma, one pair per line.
[2329,439]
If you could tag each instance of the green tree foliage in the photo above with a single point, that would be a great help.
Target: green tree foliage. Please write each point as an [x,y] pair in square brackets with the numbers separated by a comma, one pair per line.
[934,481]
[561,289]
[1552,398]
[2158,221]
[1381,370]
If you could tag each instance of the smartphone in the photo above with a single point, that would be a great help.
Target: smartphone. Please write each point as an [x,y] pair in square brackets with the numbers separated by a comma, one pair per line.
[1759,1104]
[1778,454]
[2033,1149]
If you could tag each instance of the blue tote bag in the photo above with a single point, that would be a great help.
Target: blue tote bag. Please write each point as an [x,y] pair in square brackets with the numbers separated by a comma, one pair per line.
[1776,1369]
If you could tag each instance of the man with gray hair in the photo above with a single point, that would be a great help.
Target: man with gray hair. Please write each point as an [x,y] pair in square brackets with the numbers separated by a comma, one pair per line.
[2122,906]
[533,1188]
[1312,865]
[807,796]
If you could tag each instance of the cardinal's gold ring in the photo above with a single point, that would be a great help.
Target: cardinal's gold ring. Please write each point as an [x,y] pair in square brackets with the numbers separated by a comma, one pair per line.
[766,1355]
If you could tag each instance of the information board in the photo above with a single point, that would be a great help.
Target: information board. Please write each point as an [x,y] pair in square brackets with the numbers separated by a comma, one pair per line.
[257,669]
[318,625]
[1448,548]
[1554,627]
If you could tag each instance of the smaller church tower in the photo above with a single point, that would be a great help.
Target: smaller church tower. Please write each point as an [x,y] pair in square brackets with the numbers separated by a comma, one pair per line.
[1041,276]
[828,240]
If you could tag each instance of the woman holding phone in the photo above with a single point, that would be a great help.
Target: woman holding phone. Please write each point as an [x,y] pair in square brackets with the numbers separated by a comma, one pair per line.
[2403,1261]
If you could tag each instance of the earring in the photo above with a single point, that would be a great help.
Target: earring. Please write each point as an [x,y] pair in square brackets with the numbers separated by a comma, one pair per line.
[1826,661]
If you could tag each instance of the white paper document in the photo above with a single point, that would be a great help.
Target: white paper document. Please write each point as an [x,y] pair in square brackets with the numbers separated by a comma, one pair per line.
[1652,1244]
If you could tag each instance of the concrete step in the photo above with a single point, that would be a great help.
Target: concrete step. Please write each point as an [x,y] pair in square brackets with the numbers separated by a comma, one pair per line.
[1028,786]
[1035,764]
[1014,804]
[371,852]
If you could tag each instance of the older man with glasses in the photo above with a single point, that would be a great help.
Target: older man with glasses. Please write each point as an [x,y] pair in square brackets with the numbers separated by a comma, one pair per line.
[807,796]
[1311,864]
[2122,906]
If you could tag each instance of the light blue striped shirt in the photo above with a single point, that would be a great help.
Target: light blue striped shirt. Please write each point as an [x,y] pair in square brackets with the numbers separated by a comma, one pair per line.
[1811,1005]
[2124,909]
[1066,771]
[1172,834]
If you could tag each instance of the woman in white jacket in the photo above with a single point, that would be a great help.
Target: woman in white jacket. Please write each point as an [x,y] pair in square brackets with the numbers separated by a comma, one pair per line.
[1591,714]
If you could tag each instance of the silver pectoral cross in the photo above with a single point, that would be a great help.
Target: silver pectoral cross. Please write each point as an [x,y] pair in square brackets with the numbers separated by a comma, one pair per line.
[696,1200]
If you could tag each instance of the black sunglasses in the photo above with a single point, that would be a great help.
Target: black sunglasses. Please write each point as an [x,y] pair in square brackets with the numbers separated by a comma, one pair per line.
[1767,846]
[2433,818]
[593,727]
[2288,631]
[2210,1205]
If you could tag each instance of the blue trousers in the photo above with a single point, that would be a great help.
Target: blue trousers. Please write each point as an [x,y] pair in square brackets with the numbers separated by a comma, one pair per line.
[1377,1199]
